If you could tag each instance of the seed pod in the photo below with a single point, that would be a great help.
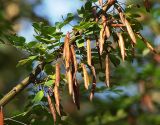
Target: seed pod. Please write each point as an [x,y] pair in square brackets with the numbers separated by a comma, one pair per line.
[57,99]
[100,2]
[76,98]
[121,45]
[52,109]
[130,31]
[70,82]
[107,32]
[107,71]
[66,51]
[101,40]
[1,117]
[74,58]
[85,74]
[93,83]
[89,52]
[57,74]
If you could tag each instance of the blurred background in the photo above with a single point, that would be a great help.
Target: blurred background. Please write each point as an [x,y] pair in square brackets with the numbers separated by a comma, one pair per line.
[134,101]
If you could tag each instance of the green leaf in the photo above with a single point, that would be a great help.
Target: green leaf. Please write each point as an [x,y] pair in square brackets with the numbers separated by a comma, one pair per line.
[25,61]
[49,83]
[38,97]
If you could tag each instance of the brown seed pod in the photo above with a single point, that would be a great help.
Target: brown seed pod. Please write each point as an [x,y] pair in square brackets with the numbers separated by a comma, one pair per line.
[121,45]
[107,72]
[89,52]
[93,83]
[52,109]
[101,40]
[130,31]
[57,99]
[1,117]
[85,74]
[76,95]
[66,50]
[74,58]
[70,82]
[57,74]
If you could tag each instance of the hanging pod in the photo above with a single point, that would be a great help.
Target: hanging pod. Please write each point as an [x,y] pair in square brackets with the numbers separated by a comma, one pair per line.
[70,81]
[89,52]
[121,45]
[74,58]
[101,40]
[52,109]
[66,50]
[93,83]
[76,96]
[130,31]
[107,71]
[56,91]
[85,75]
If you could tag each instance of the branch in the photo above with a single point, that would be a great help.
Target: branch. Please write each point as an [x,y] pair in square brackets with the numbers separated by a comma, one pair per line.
[24,83]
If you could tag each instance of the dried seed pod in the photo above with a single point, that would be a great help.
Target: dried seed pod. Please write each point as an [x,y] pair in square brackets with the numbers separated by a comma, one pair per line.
[107,32]
[130,31]
[1,117]
[86,78]
[76,98]
[107,72]
[66,51]
[70,82]
[89,52]
[101,40]
[57,99]
[57,74]
[93,83]
[52,109]
[74,58]
[121,45]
